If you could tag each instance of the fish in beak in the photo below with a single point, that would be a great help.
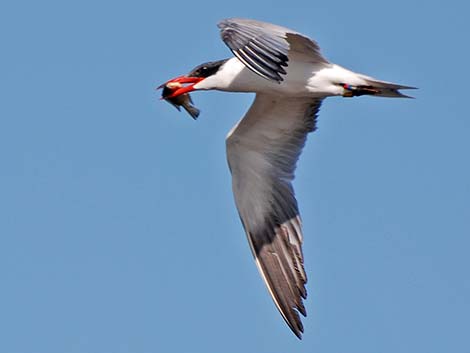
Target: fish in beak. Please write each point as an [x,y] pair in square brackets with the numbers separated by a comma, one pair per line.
[176,92]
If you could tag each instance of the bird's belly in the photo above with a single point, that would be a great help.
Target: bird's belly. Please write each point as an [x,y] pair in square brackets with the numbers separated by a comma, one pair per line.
[295,81]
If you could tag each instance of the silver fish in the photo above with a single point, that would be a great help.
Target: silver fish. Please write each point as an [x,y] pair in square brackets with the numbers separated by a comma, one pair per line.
[183,100]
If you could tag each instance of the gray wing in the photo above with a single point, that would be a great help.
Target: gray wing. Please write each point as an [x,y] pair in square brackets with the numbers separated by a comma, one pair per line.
[262,151]
[265,48]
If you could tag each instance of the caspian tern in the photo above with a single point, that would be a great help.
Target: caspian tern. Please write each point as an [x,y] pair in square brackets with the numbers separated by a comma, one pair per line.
[290,78]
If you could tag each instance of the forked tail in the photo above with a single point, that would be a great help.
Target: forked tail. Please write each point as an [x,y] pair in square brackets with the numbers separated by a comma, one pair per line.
[377,88]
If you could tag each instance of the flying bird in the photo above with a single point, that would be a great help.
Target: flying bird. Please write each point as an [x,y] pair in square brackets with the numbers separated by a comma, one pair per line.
[290,78]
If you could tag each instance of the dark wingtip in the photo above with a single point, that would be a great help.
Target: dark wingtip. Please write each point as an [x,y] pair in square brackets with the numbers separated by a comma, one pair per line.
[295,323]
[298,331]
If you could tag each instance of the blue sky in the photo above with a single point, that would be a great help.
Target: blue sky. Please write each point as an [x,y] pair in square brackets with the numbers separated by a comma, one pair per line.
[118,230]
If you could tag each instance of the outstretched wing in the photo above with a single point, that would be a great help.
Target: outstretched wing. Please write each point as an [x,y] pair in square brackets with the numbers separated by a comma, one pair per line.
[265,48]
[262,151]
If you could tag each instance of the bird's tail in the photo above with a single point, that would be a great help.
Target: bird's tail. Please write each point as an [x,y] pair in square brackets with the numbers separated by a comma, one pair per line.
[373,87]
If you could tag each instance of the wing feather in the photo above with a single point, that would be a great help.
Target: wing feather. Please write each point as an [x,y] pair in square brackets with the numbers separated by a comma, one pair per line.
[264,48]
[262,152]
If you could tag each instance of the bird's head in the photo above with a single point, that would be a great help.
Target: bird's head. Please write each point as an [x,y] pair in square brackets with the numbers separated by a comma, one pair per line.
[193,80]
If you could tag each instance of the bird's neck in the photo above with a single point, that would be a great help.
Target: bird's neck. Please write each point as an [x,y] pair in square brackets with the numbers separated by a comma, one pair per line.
[232,76]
